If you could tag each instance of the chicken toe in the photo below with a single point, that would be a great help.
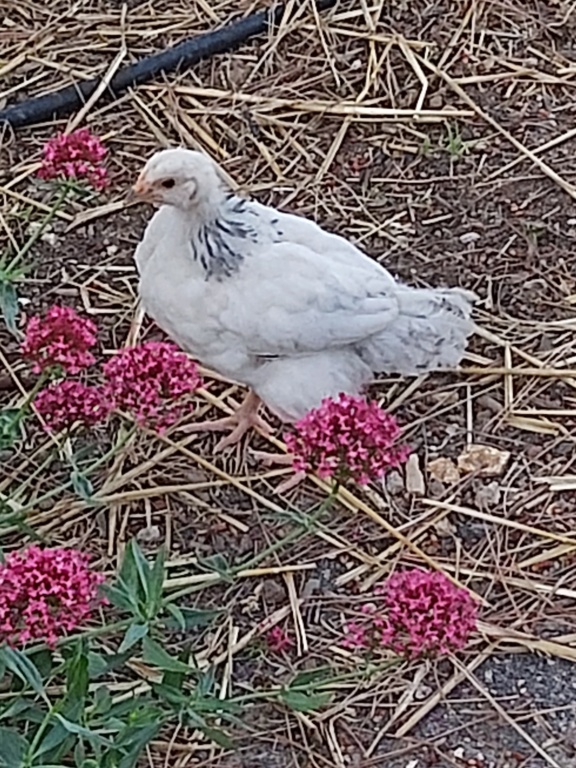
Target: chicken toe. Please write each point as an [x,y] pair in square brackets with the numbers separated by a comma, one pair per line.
[240,422]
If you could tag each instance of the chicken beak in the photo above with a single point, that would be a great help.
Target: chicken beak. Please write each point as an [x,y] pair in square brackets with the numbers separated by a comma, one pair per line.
[142,190]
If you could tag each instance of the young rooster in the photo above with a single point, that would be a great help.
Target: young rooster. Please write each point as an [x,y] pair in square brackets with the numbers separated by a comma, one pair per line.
[272,301]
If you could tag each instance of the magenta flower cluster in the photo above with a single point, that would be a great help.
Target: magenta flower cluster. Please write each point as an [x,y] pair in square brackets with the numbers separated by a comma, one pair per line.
[151,382]
[61,338]
[415,614]
[46,593]
[346,437]
[278,640]
[77,156]
[69,402]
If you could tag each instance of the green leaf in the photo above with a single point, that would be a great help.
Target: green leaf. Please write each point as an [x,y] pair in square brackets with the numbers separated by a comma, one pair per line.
[132,741]
[128,575]
[141,581]
[317,675]
[187,618]
[151,578]
[206,682]
[157,583]
[304,702]
[171,695]
[214,704]
[9,306]
[52,738]
[134,634]
[77,680]
[43,661]
[175,680]
[80,754]
[153,653]
[79,730]
[216,563]
[102,700]
[218,737]
[14,748]
[120,597]
[143,570]
[23,668]
[82,485]
[20,709]
[10,427]
[99,665]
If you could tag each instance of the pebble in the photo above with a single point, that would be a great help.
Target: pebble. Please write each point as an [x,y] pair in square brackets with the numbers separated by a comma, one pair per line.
[149,534]
[394,483]
[467,238]
[487,496]
[414,478]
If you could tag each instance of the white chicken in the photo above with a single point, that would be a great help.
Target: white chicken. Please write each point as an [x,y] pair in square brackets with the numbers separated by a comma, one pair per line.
[272,301]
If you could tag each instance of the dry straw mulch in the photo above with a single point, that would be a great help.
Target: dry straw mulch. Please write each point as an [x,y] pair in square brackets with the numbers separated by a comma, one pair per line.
[438,136]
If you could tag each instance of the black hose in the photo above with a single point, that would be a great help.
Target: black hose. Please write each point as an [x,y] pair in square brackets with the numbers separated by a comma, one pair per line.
[183,55]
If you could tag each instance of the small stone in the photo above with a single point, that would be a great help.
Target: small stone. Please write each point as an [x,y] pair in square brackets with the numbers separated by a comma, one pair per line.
[488,496]
[415,483]
[273,592]
[423,691]
[436,489]
[467,238]
[50,238]
[483,460]
[149,535]
[444,528]
[394,483]
[443,470]
[490,403]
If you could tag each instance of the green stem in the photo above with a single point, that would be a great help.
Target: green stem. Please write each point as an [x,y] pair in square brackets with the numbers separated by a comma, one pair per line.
[306,524]
[303,527]
[64,486]
[314,687]
[36,741]
[86,635]
[42,379]
[30,478]
[41,229]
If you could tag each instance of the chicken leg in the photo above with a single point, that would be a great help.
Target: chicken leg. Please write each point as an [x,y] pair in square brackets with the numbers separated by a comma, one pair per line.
[240,422]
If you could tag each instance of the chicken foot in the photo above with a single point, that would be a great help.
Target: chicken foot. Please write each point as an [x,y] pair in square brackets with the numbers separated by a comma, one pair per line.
[281,460]
[240,422]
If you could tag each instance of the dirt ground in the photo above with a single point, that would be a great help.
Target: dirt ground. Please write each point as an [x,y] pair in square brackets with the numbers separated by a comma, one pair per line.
[477,189]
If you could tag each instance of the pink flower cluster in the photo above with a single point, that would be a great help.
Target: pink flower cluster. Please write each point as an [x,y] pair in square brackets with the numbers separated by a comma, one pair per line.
[152,382]
[346,437]
[45,593]
[278,640]
[75,156]
[60,339]
[68,402]
[423,614]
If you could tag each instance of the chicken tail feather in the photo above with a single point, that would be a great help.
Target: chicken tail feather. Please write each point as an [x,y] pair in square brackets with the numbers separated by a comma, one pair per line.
[430,332]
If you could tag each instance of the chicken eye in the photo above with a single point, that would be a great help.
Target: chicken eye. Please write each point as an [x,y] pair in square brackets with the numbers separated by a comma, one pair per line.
[168,183]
